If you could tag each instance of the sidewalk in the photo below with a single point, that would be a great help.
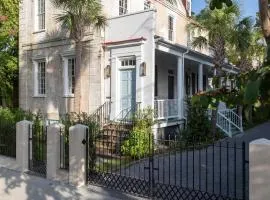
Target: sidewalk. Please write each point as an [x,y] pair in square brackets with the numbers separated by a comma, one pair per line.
[18,186]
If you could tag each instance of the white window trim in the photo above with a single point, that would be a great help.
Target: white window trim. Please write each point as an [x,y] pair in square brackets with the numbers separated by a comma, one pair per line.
[174,28]
[36,18]
[128,8]
[35,61]
[65,59]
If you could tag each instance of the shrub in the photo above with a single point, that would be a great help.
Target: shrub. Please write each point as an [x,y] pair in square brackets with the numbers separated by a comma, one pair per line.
[198,125]
[140,141]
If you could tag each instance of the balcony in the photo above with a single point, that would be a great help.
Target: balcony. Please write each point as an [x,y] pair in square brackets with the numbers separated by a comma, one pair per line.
[166,109]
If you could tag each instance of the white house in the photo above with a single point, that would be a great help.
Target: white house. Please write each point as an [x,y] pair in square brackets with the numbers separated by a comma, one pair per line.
[141,57]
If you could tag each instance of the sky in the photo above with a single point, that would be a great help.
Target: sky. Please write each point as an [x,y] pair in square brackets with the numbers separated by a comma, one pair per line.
[248,7]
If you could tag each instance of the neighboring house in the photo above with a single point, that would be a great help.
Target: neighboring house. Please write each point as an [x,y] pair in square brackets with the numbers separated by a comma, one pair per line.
[142,56]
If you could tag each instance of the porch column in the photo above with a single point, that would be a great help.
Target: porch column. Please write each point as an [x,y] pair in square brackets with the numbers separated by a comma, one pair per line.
[200,78]
[180,86]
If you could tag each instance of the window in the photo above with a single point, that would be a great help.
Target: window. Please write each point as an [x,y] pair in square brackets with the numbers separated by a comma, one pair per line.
[128,62]
[172,2]
[170,28]
[41,77]
[71,75]
[123,9]
[147,4]
[41,14]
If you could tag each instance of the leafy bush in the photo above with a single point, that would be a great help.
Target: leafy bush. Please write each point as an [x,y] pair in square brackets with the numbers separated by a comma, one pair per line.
[140,142]
[198,124]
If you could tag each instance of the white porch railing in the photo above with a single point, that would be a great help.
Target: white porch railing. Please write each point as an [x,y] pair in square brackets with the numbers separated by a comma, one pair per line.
[166,109]
[229,122]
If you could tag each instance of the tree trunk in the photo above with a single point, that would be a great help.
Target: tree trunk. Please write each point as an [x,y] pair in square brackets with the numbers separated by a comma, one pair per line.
[265,23]
[77,92]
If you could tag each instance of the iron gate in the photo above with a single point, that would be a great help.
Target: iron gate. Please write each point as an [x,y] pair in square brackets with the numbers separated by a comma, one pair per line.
[38,150]
[168,169]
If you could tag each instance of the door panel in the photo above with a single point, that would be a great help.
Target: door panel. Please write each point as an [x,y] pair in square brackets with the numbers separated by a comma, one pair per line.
[127,88]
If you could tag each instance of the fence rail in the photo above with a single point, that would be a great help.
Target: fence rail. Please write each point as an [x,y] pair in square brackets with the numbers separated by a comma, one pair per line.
[169,169]
[64,147]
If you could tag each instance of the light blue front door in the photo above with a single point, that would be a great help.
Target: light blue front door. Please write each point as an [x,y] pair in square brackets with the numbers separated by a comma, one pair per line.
[127,89]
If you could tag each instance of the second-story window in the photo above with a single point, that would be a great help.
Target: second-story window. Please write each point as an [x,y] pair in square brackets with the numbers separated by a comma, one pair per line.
[123,7]
[41,14]
[170,28]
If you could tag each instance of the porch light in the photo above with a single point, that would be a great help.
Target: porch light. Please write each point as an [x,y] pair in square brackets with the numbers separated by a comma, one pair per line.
[143,69]
[107,71]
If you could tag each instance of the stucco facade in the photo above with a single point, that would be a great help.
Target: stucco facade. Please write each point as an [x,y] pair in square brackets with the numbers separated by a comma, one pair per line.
[53,46]
[147,65]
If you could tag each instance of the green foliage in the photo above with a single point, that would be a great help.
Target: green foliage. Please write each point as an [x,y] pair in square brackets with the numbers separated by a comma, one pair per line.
[140,141]
[198,125]
[9,27]
[15,115]
[218,4]
[78,14]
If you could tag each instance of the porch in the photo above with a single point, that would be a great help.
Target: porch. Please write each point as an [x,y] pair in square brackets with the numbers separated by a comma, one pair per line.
[175,79]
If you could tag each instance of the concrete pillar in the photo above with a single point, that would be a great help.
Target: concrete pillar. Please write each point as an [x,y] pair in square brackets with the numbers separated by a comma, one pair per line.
[53,150]
[77,155]
[259,169]
[180,87]
[23,129]
[200,77]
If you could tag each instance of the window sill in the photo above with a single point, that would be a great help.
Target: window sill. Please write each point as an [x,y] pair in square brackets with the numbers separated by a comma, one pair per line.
[69,96]
[39,96]
[39,31]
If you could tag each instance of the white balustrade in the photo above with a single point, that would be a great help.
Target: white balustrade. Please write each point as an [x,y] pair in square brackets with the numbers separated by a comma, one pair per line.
[166,109]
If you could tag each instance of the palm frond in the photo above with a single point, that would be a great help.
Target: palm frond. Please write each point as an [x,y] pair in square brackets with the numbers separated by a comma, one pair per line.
[199,42]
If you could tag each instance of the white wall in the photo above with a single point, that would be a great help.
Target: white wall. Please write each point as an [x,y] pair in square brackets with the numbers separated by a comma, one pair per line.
[111,7]
[137,25]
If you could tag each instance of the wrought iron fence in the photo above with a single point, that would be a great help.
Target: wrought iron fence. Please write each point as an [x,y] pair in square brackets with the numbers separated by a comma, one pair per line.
[7,138]
[64,147]
[38,149]
[167,169]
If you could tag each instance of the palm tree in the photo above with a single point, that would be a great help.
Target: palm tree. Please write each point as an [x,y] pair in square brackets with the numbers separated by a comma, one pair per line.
[265,24]
[215,28]
[238,49]
[76,17]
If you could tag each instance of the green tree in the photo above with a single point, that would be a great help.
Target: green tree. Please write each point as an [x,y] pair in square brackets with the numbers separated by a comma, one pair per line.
[9,27]
[77,16]
[245,45]
[219,4]
[215,28]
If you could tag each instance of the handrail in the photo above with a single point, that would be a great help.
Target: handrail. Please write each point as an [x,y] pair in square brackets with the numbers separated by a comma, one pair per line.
[234,122]
[229,119]
[101,115]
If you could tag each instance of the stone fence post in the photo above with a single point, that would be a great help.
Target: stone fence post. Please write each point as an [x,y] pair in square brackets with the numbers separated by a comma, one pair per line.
[77,155]
[53,150]
[259,169]
[23,129]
